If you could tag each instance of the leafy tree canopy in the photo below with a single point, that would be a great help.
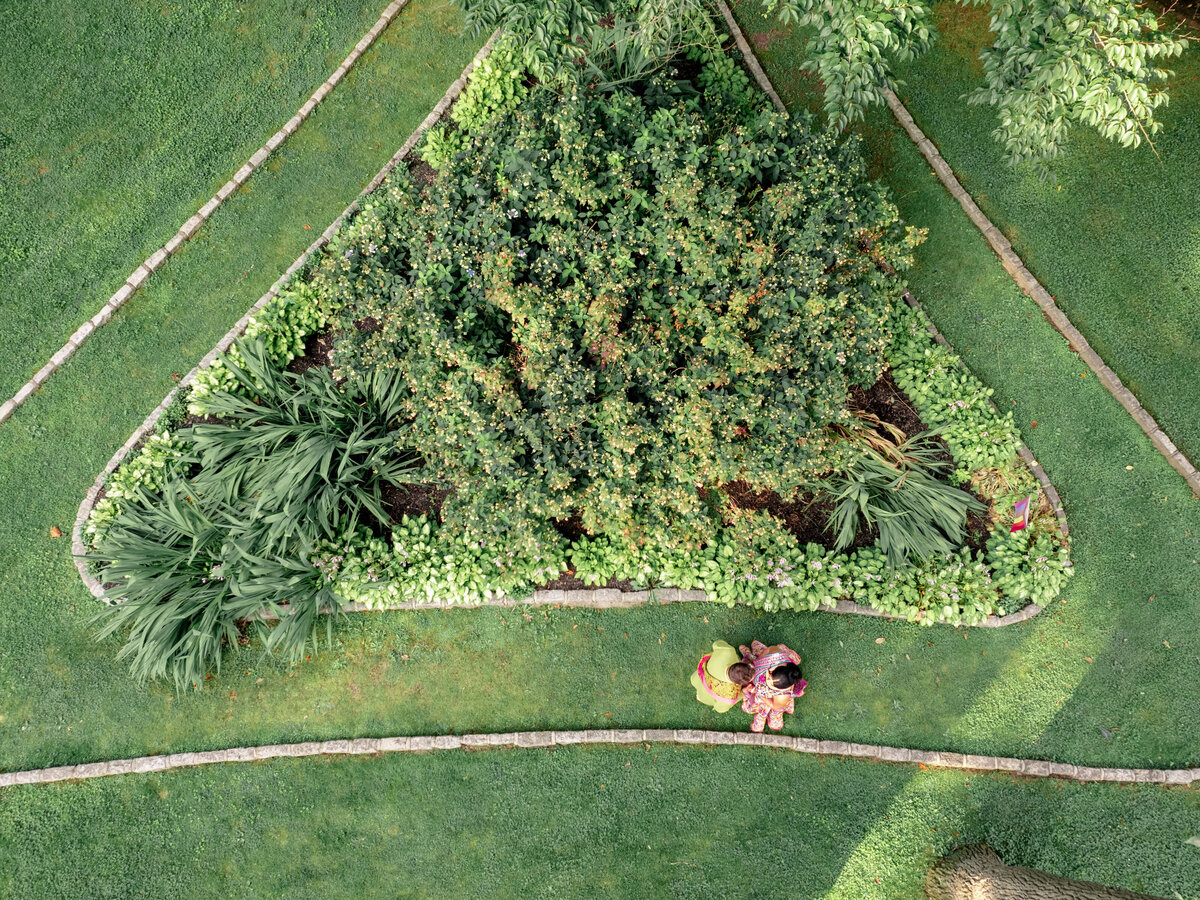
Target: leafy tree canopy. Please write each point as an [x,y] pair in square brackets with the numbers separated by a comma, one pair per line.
[605,305]
[1052,63]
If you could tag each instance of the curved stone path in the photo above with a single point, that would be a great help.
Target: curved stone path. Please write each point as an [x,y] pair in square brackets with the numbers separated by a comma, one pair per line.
[189,228]
[1032,768]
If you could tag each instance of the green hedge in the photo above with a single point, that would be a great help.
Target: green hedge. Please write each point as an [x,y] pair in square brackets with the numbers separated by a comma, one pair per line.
[753,561]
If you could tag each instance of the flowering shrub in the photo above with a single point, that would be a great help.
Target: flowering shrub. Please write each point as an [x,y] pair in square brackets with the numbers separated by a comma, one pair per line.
[424,561]
[609,303]
[1029,566]
[660,306]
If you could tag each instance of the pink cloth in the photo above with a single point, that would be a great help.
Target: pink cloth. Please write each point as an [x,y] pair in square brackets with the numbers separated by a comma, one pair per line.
[761,698]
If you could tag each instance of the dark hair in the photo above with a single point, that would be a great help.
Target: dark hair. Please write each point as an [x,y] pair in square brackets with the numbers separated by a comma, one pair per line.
[786,676]
[740,673]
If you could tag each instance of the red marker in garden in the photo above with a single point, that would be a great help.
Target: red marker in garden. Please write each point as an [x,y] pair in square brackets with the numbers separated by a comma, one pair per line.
[1021,511]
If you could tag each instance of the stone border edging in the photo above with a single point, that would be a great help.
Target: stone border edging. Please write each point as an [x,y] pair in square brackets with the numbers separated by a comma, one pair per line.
[612,598]
[189,228]
[1033,768]
[750,59]
[1031,286]
[78,549]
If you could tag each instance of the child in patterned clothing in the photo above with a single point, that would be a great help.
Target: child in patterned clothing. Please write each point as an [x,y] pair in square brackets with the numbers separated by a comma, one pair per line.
[776,684]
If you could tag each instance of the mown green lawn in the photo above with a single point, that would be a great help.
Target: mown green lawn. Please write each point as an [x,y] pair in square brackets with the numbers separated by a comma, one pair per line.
[637,821]
[1099,659]
[1116,240]
[1120,652]
[118,121]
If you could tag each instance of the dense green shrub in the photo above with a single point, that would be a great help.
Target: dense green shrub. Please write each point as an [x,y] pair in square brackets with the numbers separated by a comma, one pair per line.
[499,289]
[609,303]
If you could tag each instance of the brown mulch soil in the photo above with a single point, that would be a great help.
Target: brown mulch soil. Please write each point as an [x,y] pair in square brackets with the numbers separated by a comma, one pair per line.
[568,582]
[414,500]
[422,172]
[316,353]
[803,516]
[886,400]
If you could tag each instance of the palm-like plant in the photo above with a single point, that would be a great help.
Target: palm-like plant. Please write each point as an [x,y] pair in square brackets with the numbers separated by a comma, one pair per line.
[295,460]
[894,487]
[303,450]
[189,573]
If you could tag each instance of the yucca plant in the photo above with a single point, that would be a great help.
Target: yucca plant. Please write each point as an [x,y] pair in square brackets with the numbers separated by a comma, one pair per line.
[896,489]
[303,451]
[187,573]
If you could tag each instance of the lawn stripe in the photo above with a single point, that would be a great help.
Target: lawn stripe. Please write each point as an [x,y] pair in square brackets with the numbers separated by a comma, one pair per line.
[1031,768]
[159,257]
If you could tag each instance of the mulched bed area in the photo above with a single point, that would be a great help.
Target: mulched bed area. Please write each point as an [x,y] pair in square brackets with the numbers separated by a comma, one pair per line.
[315,355]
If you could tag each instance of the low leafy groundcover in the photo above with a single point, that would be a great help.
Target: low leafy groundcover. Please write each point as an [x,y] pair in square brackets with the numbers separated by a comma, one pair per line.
[596,304]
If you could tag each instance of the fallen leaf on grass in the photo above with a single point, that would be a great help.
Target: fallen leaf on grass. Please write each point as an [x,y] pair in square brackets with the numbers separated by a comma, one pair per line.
[1194,840]
[55,532]
[880,640]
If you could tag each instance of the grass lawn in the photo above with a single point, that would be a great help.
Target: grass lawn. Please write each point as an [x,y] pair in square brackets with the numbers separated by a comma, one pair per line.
[642,821]
[1116,241]
[119,121]
[1099,659]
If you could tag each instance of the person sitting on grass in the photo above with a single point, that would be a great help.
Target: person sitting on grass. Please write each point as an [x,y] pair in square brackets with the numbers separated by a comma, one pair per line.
[720,676]
[776,684]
